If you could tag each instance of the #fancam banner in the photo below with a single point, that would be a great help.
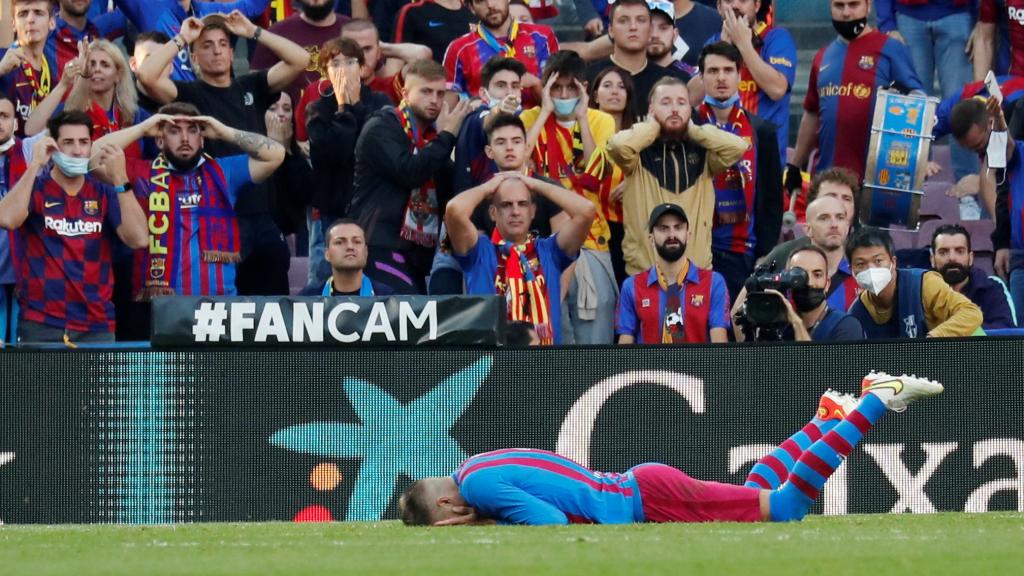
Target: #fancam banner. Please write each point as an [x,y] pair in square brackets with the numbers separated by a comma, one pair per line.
[383,321]
[337,434]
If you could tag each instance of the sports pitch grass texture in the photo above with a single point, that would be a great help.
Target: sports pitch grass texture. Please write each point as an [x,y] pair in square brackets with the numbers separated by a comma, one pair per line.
[873,545]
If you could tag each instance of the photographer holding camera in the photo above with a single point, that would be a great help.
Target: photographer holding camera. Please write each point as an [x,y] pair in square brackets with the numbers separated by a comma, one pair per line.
[762,311]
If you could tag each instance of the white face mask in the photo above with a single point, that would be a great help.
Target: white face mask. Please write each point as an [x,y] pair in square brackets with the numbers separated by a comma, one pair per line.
[996,151]
[874,280]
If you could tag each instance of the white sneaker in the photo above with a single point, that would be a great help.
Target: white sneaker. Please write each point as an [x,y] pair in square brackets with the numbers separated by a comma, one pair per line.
[898,392]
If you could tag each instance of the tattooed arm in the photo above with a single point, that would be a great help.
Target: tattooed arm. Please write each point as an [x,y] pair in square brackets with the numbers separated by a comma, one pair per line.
[265,155]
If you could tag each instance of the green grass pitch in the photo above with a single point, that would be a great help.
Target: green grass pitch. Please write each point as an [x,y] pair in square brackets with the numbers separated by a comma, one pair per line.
[871,545]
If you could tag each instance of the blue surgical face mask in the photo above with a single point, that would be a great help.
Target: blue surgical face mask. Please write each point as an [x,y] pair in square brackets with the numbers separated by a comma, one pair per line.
[722,104]
[70,166]
[565,106]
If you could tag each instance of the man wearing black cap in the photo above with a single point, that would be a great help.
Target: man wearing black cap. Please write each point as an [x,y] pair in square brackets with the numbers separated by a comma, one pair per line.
[675,301]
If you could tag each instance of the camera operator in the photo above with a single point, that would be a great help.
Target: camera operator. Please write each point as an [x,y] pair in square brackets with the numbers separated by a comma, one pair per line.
[808,317]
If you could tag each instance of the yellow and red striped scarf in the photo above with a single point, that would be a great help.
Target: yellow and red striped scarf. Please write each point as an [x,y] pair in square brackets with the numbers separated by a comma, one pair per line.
[520,279]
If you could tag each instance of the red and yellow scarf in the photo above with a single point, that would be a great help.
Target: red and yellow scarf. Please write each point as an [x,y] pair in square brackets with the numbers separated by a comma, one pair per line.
[520,279]
[422,221]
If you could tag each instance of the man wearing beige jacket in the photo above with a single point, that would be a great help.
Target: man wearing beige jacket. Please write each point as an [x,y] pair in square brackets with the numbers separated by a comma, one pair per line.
[669,159]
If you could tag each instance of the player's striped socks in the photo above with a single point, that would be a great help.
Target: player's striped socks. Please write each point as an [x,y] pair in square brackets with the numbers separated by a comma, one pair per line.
[772,470]
[793,499]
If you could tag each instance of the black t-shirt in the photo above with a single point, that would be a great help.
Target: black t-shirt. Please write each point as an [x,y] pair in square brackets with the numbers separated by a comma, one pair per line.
[695,28]
[642,82]
[242,106]
[432,25]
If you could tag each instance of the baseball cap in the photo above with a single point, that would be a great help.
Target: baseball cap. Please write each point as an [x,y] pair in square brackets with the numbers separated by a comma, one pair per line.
[662,209]
[663,6]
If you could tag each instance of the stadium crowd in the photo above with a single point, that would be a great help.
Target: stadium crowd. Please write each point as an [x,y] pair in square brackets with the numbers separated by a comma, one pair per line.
[636,186]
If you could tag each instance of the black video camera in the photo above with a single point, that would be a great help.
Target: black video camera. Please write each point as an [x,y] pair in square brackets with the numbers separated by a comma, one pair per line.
[764,315]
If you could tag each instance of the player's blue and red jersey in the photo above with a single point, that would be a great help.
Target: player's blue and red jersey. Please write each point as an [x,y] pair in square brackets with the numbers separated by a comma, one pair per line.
[778,50]
[63,254]
[523,486]
[531,44]
[1012,88]
[841,90]
[190,274]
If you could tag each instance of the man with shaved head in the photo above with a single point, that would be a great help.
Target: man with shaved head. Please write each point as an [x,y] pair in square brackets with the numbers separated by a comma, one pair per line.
[523,268]
[829,219]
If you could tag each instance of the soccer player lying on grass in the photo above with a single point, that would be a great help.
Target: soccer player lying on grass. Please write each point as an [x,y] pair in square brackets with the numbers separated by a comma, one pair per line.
[521,486]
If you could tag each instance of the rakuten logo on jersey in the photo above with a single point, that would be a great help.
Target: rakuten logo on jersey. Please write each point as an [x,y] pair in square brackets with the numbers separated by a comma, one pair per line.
[66,227]
[1015,14]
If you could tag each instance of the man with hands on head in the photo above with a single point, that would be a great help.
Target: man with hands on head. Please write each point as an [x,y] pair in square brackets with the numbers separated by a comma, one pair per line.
[512,262]
[239,102]
[64,216]
[194,242]
[669,159]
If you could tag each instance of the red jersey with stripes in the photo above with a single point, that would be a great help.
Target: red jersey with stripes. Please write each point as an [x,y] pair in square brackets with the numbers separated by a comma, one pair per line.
[844,77]
[531,44]
[63,255]
[525,486]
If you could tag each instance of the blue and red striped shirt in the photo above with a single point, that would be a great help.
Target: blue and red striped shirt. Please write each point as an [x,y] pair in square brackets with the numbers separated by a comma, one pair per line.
[531,44]
[844,77]
[63,256]
[525,486]
[190,274]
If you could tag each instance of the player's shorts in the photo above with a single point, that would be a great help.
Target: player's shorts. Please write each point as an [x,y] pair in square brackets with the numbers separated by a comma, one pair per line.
[669,495]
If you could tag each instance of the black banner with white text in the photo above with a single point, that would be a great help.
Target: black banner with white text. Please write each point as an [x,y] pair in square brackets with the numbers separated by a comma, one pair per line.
[314,321]
[317,434]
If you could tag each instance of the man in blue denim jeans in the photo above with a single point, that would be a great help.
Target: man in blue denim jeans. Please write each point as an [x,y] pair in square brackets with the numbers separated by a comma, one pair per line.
[936,33]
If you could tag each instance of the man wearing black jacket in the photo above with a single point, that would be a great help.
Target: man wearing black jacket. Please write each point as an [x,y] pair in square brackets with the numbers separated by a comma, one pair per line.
[748,196]
[403,178]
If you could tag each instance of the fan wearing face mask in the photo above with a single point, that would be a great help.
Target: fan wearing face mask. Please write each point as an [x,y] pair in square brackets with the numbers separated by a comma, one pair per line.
[66,217]
[953,258]
[904,302]
[845,76]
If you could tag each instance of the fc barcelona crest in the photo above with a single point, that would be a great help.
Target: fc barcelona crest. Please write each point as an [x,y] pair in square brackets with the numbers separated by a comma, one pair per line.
[91,207]
[530,51]
[866,62]
[697,300]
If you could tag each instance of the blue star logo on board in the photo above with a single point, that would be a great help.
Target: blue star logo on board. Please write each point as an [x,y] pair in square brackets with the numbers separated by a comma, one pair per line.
[409,439]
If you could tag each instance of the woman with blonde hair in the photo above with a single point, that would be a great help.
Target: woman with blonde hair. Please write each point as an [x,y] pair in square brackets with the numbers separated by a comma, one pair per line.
[98,83]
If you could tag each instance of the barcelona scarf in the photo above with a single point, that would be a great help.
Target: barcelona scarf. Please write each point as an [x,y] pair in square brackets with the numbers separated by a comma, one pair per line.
[520,279]
[506,49]
[218,227]
[550,156]
[421,223]
[672,328]
[734,188]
